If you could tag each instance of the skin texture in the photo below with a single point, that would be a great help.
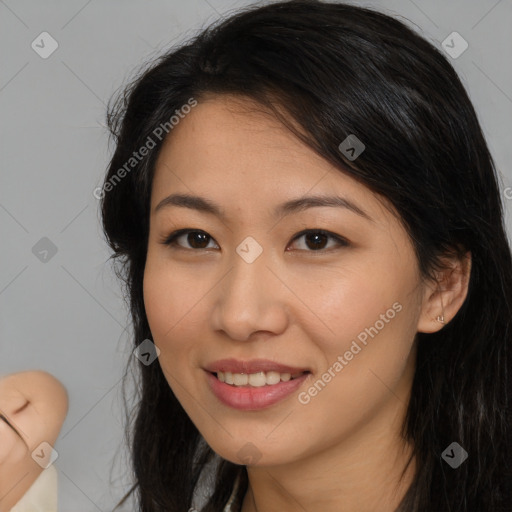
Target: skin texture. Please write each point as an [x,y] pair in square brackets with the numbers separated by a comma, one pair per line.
[35,403]
[294,305]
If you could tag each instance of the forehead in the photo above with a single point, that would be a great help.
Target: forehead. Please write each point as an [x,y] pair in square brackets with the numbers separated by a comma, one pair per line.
[225,126]
[235,149]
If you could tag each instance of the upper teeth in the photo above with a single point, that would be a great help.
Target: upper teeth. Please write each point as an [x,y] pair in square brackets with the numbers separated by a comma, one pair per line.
[254,379]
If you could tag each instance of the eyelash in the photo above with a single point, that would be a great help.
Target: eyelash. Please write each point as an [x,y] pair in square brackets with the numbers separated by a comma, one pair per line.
[170,240]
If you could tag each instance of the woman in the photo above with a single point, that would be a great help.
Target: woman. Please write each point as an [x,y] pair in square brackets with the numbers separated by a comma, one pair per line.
[311,234]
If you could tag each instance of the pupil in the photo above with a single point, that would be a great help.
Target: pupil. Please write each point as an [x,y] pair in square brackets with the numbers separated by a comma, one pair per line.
[318,239]
[201,237]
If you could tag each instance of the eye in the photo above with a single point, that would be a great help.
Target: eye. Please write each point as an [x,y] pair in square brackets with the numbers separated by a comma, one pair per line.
[317,239]
[314,240]
[196,239]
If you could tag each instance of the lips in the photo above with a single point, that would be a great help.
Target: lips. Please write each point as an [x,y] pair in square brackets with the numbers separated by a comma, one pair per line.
[253,385]
[253,366]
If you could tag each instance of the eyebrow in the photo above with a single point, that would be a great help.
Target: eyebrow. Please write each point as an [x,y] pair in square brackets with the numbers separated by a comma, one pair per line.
[292,206]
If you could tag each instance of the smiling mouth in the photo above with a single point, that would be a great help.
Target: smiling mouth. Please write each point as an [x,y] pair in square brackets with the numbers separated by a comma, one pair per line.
[256,380]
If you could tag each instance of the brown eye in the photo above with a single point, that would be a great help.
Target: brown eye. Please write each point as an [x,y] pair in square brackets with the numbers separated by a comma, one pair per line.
[318,240]
[197,240]
[194,238]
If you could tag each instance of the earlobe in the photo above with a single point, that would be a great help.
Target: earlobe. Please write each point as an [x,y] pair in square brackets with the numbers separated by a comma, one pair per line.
[444,297]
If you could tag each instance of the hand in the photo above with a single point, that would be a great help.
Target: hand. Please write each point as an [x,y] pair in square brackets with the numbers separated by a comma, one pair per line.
[33,406]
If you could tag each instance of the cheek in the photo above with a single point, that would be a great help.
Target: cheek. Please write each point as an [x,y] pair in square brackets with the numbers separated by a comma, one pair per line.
[167,301]
[169,296]
[173,305]
[343,303]
[369,317]
[359,379]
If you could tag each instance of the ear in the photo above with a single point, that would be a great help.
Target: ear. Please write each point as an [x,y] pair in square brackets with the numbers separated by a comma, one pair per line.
[444,296]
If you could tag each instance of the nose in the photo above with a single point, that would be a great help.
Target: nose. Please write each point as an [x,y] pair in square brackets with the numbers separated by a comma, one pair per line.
[250,300]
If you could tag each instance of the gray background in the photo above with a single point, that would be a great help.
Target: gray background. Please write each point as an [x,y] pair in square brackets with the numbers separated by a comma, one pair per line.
[66,315]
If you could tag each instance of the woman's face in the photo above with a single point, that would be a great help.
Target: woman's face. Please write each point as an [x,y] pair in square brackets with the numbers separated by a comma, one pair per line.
[250,294]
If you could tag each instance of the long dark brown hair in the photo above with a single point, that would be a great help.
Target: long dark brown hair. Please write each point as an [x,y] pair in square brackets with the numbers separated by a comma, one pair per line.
[334,70]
